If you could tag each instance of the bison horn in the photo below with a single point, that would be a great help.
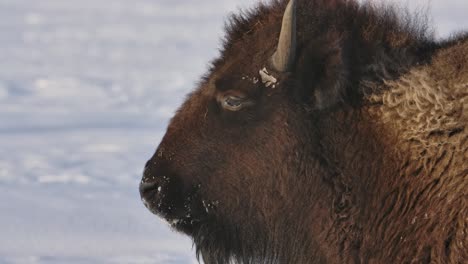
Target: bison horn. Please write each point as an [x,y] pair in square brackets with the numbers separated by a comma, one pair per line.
[285,53]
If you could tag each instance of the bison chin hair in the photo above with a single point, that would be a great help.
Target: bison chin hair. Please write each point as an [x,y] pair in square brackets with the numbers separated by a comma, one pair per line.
[228,243]
[221,240]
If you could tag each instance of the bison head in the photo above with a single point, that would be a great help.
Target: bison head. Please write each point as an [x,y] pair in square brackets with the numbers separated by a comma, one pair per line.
[303,145]
[234,167]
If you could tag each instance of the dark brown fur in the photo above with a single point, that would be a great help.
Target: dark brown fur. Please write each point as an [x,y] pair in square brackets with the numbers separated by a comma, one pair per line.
[323,168]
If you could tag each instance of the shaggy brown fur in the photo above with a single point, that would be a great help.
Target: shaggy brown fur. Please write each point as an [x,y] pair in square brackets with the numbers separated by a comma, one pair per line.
[359,154]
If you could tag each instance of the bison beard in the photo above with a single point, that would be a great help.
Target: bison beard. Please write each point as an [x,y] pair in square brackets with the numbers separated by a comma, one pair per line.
[326,132]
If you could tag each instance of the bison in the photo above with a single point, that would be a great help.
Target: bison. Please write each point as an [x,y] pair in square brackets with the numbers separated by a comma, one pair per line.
[327,131]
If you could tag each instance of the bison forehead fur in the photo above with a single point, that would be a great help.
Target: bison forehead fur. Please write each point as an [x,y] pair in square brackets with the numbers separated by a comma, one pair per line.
[326,132]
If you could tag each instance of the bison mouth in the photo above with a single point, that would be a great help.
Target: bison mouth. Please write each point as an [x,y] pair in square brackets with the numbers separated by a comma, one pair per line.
[184,210]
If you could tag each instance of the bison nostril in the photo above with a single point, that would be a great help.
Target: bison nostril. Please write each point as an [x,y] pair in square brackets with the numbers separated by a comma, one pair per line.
[147,164]
[146,187]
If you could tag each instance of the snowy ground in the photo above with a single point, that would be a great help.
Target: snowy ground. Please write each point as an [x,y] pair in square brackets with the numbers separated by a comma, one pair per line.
[86,90]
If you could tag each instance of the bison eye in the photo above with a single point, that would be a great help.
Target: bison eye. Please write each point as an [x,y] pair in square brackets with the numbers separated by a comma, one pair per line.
[233,103]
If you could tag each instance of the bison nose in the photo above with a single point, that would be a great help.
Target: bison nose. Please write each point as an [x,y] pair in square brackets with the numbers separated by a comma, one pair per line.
[150,195]
[165,194]
[159,188]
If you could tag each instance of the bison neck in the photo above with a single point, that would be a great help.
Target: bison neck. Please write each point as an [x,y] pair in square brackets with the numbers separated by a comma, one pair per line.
[365,180]
[395,171]
[347,139]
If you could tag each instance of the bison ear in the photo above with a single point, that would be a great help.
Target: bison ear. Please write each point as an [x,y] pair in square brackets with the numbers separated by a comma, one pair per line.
[323,72]
[285,53]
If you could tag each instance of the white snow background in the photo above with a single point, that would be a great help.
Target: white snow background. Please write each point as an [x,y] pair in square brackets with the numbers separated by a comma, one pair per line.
[86,91]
